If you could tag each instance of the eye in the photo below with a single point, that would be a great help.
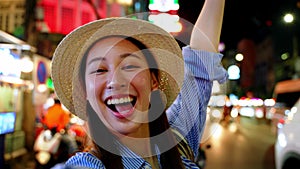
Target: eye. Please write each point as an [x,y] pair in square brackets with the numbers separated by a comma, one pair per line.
[99,71]
[130,67]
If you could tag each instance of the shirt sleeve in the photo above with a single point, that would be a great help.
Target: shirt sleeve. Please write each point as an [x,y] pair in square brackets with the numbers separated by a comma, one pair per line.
[84,160]
[188,112]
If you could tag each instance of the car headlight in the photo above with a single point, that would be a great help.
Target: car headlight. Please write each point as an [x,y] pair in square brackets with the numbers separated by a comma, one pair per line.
[281,140]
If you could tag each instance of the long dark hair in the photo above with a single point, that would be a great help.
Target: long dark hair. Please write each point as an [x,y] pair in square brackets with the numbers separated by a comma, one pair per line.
[169,159]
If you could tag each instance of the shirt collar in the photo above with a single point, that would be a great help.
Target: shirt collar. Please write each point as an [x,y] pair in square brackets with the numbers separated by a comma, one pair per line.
[132,160]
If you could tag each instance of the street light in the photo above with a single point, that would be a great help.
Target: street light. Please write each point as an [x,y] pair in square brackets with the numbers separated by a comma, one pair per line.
[289,19]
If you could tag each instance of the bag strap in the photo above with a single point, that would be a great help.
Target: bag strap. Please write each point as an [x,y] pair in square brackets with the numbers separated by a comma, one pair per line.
[183,146]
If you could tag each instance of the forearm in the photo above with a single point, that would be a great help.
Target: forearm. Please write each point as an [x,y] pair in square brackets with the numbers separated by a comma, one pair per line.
[207,30]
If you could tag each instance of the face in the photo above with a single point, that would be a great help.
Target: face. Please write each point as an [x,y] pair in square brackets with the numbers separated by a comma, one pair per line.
[118,86]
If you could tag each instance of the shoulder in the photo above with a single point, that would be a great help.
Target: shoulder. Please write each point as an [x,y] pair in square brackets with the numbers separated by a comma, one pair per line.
[84,160]
[188,163]
[183,146]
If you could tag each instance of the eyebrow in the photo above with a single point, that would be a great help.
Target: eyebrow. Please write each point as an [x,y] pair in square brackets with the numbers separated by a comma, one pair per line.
[122,56]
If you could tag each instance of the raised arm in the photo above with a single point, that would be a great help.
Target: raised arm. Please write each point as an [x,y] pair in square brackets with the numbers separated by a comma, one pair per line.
[202,61]
[207,30]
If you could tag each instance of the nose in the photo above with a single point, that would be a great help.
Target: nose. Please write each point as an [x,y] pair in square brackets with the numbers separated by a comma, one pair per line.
[115,81]
[115,85]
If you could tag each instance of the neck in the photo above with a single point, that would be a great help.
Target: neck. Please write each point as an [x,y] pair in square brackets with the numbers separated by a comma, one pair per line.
[138,142]
[153,161]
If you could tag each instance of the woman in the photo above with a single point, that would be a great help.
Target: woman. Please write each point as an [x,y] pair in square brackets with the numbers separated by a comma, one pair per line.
[122,75]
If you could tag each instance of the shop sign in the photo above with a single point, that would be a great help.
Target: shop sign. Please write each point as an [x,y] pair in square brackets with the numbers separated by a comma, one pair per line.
[163,5]
[10,63]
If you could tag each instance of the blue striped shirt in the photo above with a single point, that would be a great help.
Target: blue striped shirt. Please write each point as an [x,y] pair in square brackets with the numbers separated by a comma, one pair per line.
[187,114]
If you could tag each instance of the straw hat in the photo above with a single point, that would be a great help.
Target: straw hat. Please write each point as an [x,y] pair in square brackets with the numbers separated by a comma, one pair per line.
[65,70]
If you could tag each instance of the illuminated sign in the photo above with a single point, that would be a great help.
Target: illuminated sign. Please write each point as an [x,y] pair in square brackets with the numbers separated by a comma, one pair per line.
[41,72]
[7,122]
[163,5]
[168,22]
[10,63]
[49,83]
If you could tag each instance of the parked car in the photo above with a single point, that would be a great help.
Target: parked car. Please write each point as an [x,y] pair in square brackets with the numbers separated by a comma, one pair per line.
[286,94]
[287,145]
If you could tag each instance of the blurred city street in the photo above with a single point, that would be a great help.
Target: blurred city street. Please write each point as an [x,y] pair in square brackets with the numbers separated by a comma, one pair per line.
[246,144]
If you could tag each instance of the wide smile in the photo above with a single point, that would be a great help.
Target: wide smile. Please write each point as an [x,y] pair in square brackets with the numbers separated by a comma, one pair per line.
[122,106]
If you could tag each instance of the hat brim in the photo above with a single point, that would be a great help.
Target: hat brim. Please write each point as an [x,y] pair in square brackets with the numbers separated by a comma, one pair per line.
[65,68]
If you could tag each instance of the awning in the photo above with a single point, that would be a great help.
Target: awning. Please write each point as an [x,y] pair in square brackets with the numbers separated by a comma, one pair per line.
[11,42]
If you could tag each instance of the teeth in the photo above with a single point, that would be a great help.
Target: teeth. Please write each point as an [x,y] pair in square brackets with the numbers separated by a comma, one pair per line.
[120,100]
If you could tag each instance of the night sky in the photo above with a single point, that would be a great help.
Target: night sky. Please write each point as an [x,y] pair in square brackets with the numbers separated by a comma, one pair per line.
[252,19]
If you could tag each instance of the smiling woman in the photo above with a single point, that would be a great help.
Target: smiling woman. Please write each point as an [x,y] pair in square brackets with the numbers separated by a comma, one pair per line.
[122,74]
[128,79]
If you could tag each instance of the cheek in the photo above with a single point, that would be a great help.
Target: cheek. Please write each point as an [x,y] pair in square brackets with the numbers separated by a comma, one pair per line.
[92,87]
[142,81]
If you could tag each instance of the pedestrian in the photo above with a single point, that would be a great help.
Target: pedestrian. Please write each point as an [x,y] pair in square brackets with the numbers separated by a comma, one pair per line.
[57,120]
[126,78]
[56,117]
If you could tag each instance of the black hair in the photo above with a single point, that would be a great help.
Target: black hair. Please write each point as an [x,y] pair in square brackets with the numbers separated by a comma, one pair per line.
[57,101]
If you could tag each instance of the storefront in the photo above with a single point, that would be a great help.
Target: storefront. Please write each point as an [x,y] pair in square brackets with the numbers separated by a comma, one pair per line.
[19,66]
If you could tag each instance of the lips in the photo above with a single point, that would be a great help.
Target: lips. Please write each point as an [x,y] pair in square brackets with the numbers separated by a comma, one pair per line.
[122,106]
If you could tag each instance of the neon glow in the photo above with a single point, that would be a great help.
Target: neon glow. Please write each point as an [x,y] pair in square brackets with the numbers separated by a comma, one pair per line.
[163,5]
